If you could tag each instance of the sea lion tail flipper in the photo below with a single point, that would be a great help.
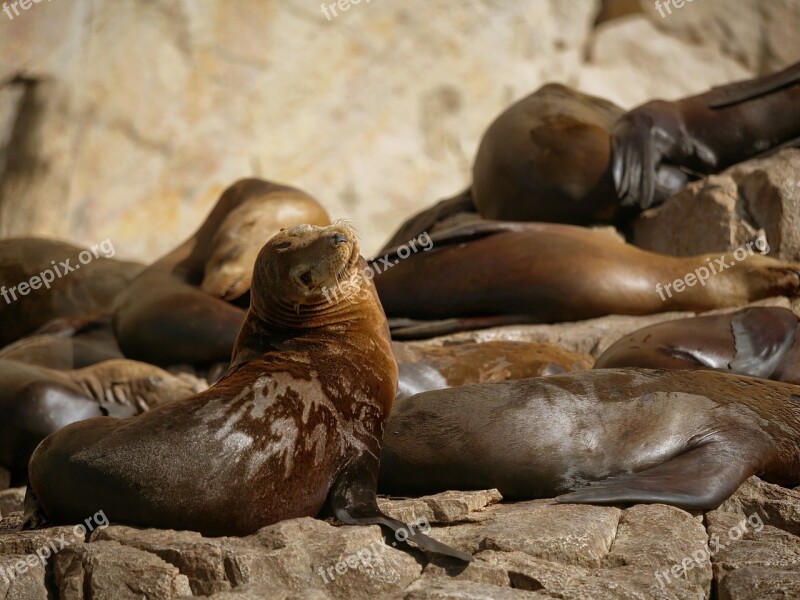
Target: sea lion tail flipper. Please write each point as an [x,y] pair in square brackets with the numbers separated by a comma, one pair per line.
[33,516]
[750,89]
[762,337]
[701,478]
[353,502]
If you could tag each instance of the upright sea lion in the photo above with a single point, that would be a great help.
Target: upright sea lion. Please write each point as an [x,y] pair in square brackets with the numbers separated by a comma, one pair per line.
[548,158]
[179,310]
[496,272]
[36,401]
[756,341]
[686,438]
[705,133]
[298,418]
[453,365]
[43,279]
[71,343]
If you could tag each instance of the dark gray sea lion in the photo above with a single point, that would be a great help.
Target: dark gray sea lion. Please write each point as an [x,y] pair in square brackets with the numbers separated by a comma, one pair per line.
[686,438]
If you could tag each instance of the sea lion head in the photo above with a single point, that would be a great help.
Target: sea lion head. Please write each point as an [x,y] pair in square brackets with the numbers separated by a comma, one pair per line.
[300,267]
[263,210]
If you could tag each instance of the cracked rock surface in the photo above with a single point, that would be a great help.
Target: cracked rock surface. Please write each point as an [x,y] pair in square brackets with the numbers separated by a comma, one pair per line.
[749,548]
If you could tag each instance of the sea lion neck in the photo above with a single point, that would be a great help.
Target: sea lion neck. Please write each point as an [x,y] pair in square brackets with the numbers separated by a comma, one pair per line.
[191,256]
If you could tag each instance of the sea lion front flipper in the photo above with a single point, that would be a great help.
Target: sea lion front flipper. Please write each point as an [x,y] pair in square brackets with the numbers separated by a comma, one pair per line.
[762,337]
[118,411]
[352,500]
[701,478]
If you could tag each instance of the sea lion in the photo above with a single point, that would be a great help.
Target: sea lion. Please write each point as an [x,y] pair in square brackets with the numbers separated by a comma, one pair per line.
[453,365]
[180,309]
[71,343]
[705,133]
[548,158]
[42,280]
[757,341]
[686,438]
[298,418]
[36,401]
[495,273]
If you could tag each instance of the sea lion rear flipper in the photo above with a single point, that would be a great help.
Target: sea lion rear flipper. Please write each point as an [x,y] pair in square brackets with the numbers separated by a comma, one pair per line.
[762,337]
[701,478]
[33,516]
[742,91]
[352,500]
[410,329]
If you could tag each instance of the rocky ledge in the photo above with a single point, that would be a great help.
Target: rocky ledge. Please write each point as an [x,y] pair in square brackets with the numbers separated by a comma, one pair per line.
[749,548]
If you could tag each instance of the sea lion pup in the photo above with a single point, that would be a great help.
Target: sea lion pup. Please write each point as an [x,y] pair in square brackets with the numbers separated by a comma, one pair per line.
[494,273]
[71,343]
[756,341]
[686,438]
[181,309]
[36,401]
[298,418]
[43,279]
[705,133]
[453,365]
[547,158]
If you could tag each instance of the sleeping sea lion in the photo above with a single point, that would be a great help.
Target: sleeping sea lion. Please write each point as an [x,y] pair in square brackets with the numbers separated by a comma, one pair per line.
[686,438]
[181,308]
[757,341]
[453,365]
[493,273]
[42,280]
[36,401]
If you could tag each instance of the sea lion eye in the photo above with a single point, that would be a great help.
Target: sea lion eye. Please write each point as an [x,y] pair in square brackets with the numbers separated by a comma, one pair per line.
[283,245]
[306,278]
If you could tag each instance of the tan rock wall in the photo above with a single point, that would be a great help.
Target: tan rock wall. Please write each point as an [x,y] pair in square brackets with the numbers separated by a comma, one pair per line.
[125,119]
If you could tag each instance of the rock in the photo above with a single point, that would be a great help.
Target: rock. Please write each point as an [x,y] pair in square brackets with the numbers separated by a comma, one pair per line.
[298,556]
[20,580]
[762,36]
[10,523]
[724,212]
[757,583]
[447,507]
[49,541]
[11,500]
[106,569]
[447,589]
[624,70]
[262,591]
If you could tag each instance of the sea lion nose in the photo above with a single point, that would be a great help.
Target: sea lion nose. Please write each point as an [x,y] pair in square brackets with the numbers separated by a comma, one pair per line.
[338,238]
